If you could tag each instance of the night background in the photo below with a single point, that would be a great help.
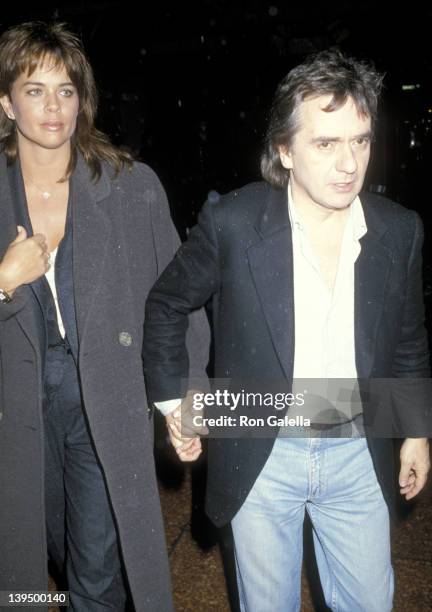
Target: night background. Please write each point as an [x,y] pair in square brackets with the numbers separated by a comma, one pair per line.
[186,87]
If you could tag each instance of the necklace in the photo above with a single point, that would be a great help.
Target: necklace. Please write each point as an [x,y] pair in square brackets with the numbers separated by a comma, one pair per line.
[44,192]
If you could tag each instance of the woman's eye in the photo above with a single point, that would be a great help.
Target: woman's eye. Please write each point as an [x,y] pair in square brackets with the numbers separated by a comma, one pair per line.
[67,93]
[34,92]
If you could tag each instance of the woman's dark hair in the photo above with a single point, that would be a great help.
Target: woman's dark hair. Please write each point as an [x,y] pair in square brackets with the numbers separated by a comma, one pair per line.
[326,73]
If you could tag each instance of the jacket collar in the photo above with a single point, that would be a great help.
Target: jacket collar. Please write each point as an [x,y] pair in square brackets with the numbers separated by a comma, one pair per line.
[273,215]
[81,177]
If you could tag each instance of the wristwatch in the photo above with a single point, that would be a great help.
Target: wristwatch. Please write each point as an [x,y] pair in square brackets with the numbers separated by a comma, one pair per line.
[5,298]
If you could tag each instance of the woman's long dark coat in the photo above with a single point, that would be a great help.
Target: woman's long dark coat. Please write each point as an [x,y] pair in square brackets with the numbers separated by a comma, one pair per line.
[122,238]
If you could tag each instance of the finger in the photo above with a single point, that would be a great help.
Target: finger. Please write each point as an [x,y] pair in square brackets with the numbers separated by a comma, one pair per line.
[182,444]
[175,431]
[40,239]
[47,260]
[406,489]
[187,447]
[175,435]
[188,457]
[410,483]
[189,432]
[185,427]
[404,474]
[189,428]
[21,235]
[191,453]
[418,486]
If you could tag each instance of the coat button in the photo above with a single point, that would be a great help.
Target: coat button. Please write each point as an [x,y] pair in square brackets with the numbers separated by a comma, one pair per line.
[125,338]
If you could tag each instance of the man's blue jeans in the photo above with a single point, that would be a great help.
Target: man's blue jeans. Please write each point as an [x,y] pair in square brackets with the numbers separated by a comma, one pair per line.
[334,480]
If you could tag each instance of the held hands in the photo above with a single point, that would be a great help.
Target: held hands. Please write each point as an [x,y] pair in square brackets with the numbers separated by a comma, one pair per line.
[25,260]
[183,431]
[415,465]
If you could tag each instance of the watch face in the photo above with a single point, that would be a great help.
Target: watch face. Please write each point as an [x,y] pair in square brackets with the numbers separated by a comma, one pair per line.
[4,297]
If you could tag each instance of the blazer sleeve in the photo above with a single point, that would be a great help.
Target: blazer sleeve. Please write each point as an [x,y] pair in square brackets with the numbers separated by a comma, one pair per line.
[412,389]
[176,331]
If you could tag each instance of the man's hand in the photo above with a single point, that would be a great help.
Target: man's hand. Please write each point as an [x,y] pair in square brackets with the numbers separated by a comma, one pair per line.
[415,465]
[25,260]
[184,433]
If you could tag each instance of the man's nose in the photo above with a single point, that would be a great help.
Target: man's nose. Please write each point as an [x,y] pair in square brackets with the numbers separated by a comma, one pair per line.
[346,161]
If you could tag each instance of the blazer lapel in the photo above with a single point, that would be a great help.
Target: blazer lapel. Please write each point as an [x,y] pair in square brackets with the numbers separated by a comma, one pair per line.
[271,265]
[91,230]
[371,275]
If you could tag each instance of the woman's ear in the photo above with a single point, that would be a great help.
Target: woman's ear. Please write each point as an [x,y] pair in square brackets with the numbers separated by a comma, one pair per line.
[7,106]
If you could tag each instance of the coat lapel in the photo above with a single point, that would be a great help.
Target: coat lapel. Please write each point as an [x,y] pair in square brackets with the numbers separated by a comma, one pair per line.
[271,265]
[371,275]
[39,286]
[27,317]
[7,213]
[91,231]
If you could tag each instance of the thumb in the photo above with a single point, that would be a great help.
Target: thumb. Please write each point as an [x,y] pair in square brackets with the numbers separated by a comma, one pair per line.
[21,236]
[404,473]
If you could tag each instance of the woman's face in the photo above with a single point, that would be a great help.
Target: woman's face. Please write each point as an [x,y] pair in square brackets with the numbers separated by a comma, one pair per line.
[44,106]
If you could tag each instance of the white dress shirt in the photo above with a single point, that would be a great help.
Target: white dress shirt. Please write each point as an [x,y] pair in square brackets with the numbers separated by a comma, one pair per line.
[324,319]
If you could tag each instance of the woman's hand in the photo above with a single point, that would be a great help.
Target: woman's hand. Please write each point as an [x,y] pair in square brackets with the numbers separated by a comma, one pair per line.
[25,260]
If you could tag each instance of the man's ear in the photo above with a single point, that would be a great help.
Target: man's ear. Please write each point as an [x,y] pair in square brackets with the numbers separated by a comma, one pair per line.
[7,106]
[285,157]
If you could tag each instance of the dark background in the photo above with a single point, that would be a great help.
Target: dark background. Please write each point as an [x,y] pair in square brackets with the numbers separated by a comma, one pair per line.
[186,85]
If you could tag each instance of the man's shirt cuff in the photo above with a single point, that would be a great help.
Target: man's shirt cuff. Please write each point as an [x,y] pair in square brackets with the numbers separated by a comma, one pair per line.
[168,406]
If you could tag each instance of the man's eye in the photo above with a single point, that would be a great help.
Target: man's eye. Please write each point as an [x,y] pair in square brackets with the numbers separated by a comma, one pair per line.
[325,145]
[363,141]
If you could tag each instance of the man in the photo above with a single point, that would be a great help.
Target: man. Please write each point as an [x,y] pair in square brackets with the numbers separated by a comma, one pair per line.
[309,280]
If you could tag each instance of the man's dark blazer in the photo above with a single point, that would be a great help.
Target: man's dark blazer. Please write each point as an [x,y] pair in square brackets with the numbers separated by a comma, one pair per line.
[123,238]
[240,254]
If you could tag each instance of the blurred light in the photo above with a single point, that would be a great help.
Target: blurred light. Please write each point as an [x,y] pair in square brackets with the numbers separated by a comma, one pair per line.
[213,196]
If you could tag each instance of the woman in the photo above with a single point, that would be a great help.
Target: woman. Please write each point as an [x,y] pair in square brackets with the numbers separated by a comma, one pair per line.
[84,233]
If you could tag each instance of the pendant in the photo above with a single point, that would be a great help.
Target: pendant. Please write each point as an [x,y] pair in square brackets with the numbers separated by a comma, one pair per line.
[46,195]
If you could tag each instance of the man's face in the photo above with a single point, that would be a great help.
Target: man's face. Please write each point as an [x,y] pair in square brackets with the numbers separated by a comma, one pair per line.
[329,154]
